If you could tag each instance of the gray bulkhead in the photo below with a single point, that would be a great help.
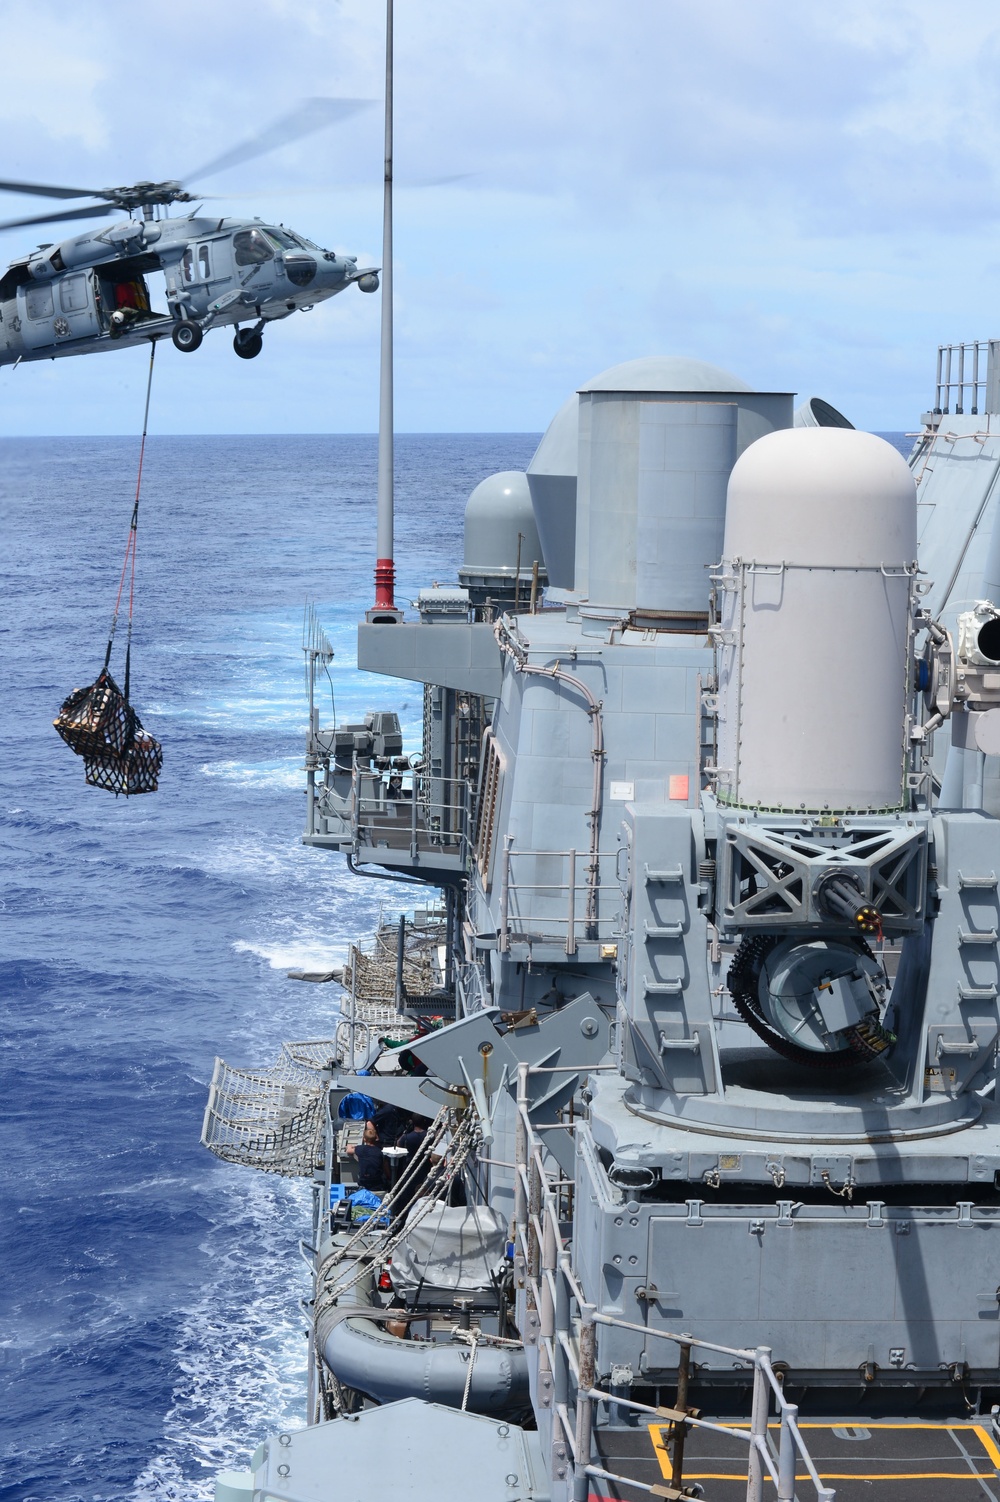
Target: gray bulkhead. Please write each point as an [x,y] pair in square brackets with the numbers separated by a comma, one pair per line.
[828,1214]
[743,1154]
[956,465]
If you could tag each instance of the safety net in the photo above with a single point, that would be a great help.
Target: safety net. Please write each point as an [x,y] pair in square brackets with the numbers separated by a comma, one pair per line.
[271,1119]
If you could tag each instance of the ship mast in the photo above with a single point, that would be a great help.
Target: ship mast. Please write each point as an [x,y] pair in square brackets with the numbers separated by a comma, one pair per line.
[384,609]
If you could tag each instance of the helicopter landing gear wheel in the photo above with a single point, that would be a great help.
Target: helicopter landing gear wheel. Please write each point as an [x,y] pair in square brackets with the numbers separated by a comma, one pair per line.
[186,336]
[248,343]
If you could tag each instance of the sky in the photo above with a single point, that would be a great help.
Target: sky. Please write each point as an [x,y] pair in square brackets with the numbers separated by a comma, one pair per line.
[804,194]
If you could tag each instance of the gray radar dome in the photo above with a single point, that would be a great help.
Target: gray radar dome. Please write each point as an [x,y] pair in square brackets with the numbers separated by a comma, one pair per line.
[817,591]
[551,481]
[500,529]
[665,373]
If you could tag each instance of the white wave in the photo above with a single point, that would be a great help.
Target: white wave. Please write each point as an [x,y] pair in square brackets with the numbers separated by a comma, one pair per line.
[256,711]
[141,1186]
[247,855]
[286,773]
[242,1347]
[316,954]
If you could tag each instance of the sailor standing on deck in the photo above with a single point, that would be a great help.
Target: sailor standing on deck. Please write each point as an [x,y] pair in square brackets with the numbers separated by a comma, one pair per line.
[413,1140]
[368,1155]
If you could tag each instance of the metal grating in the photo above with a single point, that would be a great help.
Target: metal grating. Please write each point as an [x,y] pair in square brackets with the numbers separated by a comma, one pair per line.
[489,802]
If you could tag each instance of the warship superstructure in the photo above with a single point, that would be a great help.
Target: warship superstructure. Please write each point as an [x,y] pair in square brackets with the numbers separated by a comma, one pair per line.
[702,995]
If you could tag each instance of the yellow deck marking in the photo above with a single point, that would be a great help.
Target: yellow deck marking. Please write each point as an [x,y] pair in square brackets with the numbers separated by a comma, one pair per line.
[656,1432]
[662,1453]
[854,1476]
[985,1441]
[865,1424]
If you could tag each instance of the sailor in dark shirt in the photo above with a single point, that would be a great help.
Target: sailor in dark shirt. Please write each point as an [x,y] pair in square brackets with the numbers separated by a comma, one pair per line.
[413,1141]
[368,1154]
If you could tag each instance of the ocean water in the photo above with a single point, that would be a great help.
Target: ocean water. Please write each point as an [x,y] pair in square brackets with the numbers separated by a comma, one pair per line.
[902,442]
[149,1325]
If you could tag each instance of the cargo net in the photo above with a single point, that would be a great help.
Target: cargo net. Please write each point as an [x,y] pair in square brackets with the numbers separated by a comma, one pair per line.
[99,724]
[271,1119]
[371,1010]
[370,978]
[371,971]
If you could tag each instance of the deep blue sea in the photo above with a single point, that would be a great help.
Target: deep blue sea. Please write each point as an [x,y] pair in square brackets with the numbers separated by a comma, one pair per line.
[150,1327]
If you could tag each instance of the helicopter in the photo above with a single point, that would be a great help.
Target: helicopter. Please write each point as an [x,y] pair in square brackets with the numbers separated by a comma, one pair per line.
[90,293]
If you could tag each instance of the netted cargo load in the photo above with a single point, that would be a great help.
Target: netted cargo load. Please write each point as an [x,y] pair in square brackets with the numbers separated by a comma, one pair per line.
[94,721]
[271,1119]
[99,724]
[134,770]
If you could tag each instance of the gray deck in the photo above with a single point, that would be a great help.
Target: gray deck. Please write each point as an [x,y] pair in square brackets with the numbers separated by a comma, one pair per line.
[887,1459]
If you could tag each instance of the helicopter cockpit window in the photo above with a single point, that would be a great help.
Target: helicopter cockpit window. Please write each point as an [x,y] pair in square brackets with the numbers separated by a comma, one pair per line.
[38,302]
[252,248]
[73,294]
[285,239]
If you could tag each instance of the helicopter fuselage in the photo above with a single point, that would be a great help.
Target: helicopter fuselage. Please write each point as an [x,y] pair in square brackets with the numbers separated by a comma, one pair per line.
[90,293]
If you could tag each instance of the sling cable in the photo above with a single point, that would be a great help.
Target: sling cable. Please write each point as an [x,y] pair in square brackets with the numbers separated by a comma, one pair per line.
[99,722]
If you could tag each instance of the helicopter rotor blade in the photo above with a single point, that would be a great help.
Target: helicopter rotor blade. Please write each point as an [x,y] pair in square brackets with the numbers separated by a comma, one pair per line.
[47,190]
[407,185]
[311,115]
[90,212]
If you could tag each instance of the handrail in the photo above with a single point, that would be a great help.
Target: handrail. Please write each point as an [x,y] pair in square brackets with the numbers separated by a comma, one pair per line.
[406,818]
[567,1325]
[558,927]
[949,379]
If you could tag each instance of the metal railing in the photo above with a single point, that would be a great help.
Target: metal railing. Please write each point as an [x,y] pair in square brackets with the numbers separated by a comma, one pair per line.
[965,372]
[402,814]
[554,912]
[555,1305]
[473,992]
[397,812]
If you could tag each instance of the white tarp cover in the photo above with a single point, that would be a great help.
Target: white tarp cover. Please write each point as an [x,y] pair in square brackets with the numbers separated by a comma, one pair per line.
[456,1248]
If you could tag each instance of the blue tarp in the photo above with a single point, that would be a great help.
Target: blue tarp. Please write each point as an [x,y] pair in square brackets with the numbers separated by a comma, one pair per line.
[356,1107]
[366,1198]
[365,1206]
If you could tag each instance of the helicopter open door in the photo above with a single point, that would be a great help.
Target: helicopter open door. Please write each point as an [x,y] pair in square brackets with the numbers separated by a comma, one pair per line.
[123,295]
[58,311]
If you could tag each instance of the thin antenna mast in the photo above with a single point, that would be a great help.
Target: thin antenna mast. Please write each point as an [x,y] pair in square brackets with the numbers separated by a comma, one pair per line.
[384,609]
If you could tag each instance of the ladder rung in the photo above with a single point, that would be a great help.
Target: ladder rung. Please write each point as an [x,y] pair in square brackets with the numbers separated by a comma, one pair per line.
[970,1047]
[663,987]
[669,930]
[667,873]
[986,883]
[974,936]
[688,1045]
